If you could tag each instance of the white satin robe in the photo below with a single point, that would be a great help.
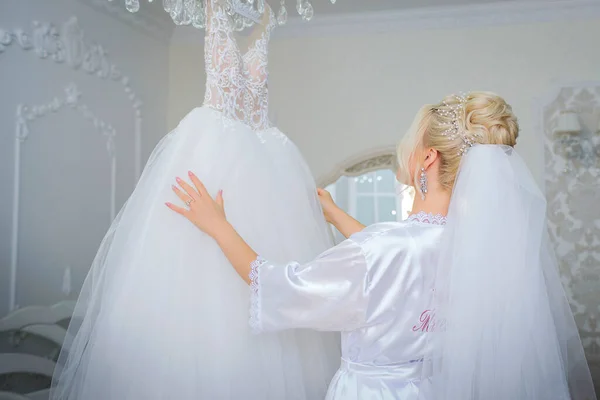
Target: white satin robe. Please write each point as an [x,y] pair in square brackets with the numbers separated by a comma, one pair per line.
[376,288]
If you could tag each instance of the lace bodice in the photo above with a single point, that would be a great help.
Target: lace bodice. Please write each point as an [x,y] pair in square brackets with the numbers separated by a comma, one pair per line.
[236,82]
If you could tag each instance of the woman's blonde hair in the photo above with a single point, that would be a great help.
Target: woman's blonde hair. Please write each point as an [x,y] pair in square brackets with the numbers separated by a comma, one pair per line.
[451,127]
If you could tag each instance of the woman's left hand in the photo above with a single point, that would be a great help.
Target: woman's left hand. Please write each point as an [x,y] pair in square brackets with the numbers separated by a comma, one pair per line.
[202,210]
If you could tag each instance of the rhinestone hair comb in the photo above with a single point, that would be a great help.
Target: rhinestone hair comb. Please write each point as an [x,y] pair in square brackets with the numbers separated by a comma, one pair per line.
[454,112]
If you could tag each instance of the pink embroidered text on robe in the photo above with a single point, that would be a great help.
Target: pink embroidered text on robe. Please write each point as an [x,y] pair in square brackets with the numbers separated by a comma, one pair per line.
[374,287]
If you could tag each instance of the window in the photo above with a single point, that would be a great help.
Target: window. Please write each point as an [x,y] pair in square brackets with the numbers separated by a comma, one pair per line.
[371,197]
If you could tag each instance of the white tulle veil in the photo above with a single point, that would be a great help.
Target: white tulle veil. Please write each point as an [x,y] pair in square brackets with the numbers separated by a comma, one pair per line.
[504,328]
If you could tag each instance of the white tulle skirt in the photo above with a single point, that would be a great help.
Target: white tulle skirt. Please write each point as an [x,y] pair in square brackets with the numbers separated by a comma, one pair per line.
[163,315]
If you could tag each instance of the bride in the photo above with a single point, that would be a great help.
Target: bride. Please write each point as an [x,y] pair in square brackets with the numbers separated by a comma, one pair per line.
[462,301]
[160,315]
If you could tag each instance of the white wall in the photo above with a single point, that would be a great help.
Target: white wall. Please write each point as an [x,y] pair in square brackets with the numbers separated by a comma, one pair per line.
[186,77]
[342,94]
[65,172]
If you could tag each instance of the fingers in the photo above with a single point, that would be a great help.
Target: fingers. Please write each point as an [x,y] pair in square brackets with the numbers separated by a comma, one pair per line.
[323,193]
[188,189]
[193,194]
[199,185]
[184,197]
[178,210]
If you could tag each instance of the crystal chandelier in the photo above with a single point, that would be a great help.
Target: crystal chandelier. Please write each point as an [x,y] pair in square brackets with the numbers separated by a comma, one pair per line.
[244,13]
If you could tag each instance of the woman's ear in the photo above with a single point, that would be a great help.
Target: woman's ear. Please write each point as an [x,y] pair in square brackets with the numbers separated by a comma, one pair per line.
[430,157]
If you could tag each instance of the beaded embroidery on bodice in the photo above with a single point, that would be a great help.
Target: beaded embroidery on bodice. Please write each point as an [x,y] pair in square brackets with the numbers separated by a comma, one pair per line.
[236,82]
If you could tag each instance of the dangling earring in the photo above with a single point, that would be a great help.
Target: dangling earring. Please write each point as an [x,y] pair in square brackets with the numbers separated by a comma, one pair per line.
[423,182]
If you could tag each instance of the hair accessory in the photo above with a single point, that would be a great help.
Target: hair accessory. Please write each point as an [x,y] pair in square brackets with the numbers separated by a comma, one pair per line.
[455,112]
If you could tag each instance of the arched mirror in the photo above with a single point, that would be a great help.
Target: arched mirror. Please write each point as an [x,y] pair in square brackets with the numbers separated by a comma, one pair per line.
[367,191]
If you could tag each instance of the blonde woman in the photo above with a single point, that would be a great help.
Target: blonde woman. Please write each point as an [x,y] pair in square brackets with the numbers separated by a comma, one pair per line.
[460,301]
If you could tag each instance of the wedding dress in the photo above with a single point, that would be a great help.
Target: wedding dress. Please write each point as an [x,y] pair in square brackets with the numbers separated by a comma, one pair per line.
[162,315]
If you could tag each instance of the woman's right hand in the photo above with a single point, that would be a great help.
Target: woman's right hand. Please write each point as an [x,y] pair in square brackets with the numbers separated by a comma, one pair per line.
[336,216]
[330,209]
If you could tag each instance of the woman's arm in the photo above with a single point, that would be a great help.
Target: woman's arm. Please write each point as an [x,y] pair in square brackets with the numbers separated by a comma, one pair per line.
[329,293]
[344,223]
[337,217]
[209,216]
[238,252]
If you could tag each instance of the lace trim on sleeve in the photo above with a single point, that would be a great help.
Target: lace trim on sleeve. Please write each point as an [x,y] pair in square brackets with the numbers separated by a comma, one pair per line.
[255,306]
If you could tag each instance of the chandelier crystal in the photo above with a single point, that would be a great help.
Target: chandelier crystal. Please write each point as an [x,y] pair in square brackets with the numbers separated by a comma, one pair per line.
[244,13]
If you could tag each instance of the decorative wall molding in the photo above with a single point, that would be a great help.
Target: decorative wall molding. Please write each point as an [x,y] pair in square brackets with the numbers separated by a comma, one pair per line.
[27,114]
[67,46]
[444,17]
[373,160]
[156,24]
[573,215]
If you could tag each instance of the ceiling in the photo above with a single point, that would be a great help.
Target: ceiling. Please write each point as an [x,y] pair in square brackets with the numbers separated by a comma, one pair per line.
[324,7]
[359,6]
[155,21]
